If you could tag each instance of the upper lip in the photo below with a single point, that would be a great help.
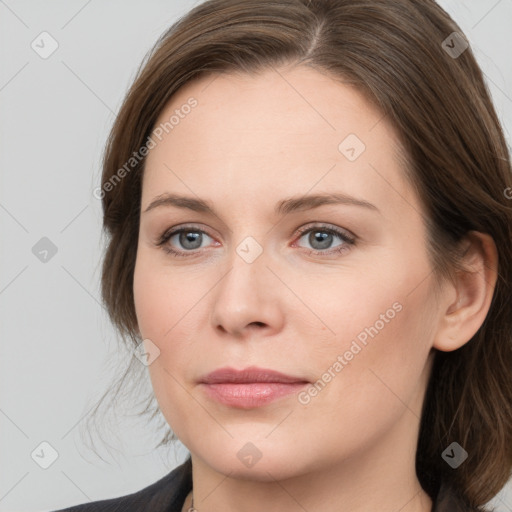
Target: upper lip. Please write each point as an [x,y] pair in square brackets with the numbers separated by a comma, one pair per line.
[251,374]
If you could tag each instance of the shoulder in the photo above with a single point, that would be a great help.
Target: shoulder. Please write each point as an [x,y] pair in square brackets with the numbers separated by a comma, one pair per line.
[448,500]
[166,495]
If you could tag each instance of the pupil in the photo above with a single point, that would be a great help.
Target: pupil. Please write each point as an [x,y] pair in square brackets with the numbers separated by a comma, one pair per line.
[322,237]
[188,237]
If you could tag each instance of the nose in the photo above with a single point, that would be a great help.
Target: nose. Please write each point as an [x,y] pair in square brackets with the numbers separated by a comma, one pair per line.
[248,298]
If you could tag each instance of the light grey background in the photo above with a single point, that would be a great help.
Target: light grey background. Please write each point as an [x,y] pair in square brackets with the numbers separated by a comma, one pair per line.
[55,117]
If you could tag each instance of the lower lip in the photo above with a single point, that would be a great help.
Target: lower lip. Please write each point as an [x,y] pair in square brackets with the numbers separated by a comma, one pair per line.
[251,395]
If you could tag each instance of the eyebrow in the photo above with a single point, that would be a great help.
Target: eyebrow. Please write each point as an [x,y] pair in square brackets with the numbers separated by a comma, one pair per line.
[283,207]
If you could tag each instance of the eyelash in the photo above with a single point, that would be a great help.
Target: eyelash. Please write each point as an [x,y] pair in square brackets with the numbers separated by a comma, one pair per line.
[343,235]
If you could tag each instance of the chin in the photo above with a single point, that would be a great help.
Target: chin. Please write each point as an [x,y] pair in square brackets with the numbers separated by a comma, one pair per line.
[244,464]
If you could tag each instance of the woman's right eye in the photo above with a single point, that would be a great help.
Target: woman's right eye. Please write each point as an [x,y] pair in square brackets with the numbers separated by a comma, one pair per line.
[190,239]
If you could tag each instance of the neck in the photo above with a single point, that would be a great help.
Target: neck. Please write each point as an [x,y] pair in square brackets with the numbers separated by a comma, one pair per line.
[382,477]
[415,500]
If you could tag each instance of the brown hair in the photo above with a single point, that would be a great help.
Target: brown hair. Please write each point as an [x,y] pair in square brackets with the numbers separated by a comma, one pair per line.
[457,159]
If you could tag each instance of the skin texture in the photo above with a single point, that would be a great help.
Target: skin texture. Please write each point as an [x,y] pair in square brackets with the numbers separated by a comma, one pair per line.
[250,142]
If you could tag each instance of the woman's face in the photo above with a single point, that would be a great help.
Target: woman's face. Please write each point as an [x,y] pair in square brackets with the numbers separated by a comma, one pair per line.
[311,262]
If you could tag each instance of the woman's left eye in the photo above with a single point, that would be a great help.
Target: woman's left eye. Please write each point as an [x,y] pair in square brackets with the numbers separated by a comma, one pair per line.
[320,238]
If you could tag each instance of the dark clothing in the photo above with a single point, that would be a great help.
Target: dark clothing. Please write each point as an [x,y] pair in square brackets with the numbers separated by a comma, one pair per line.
[168,495]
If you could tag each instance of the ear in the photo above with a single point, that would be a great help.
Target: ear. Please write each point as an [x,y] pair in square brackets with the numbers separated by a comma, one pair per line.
[466,300]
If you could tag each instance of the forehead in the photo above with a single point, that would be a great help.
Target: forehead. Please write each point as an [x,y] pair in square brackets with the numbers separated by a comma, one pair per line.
[298,95]
[274,129]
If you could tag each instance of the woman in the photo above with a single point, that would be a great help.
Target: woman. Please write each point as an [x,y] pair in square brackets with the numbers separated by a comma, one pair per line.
[310,235]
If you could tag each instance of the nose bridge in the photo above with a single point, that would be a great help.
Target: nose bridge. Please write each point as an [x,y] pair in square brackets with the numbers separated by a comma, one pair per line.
[248,274]
[246,294]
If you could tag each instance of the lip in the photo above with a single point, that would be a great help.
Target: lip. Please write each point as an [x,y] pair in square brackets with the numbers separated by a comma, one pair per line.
[251,387]
[249,375]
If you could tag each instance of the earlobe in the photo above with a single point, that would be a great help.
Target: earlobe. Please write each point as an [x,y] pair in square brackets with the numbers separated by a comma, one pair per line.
[474,288]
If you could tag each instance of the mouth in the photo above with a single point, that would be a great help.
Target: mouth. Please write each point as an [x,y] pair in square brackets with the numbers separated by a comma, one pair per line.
[249,388]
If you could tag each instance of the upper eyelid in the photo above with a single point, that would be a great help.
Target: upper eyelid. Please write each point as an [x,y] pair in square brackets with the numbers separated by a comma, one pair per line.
[325,227]
[174,230]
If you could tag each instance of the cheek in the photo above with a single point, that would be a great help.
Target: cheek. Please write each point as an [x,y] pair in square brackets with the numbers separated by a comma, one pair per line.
[385,349]
[160,299]
[145,294]
[162,318]
[392,303]
[168,310]
[383,322]
[384,342]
